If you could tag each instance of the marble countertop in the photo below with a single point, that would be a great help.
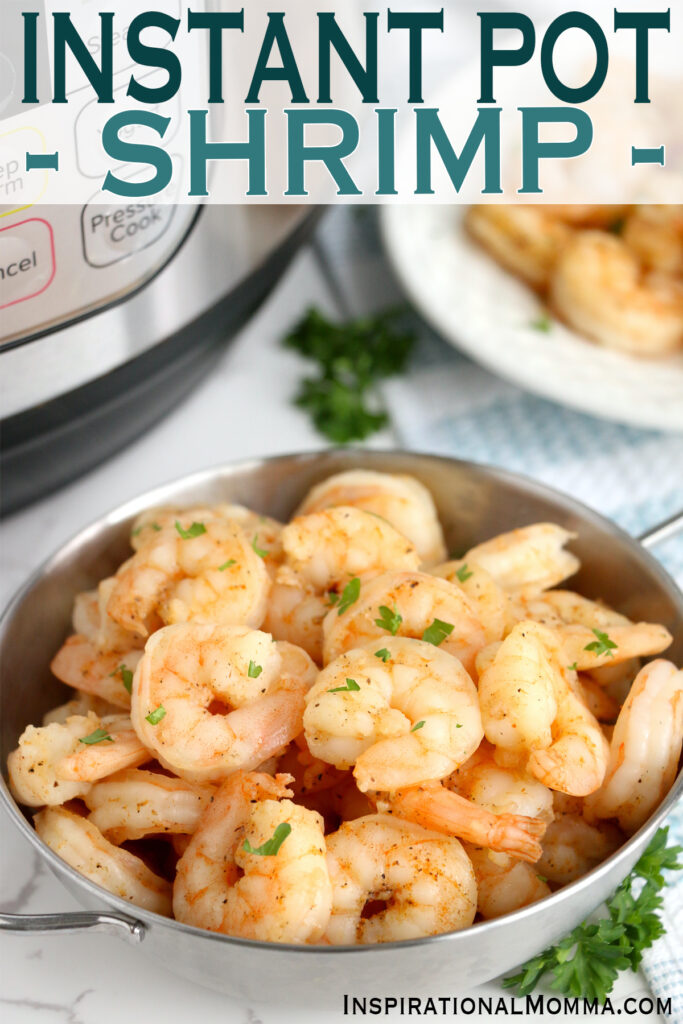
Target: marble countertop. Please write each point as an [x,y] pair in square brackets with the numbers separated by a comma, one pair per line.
[242,409]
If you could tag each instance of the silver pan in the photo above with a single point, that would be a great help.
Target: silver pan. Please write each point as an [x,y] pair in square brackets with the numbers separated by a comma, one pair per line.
[475,502]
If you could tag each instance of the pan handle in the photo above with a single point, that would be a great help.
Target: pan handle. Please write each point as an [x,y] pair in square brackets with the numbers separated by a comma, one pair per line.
[663,531]
[81,921]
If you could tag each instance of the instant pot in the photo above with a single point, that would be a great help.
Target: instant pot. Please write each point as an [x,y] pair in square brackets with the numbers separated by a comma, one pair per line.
[110,311]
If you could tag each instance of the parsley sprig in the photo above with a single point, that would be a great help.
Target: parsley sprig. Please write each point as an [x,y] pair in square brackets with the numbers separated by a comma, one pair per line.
[271,847]
[603,644]
[587,962]
[352,358]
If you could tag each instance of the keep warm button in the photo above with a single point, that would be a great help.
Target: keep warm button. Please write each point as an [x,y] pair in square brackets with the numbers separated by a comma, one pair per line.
[110,233]
[27,260]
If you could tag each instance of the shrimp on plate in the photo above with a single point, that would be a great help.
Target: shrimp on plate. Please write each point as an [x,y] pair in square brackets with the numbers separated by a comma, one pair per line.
[572,847]
[331,547]
[655,233]
[527,561]
[403,712]
[601,290]
[645,748]
[295,612]
[134,803]
[78,842]
[59,762]
[419,882]
[188,667]
[191,570]
[403,501]
[490,602]
[523,238]
[104,674]
[503,887]
[405,604]
[284,893]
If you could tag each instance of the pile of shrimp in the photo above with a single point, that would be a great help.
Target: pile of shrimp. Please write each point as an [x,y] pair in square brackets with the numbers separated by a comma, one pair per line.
[612,273]
[328,732]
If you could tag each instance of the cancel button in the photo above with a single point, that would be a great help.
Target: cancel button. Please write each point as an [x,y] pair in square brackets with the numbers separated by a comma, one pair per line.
[110,233]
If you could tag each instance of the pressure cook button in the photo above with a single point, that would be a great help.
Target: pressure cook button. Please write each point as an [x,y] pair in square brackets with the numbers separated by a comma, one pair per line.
[27,260]
[110,233]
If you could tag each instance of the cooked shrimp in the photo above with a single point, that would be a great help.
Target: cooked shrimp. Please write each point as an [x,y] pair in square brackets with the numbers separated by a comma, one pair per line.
[599,216]
[489,601]
[405,604]
[51,765]
[576,761]
[80,704]
[504,887]
[191,571]
[518,690]
[589,649]
[282,896]
[187,667]
[435,807]
[501,790]
[295,612]
[572,848]
[655,233]
[645,748]
[523,238]
[402,500]
[77,841]
[597,699]
[406,720]
[600,289]
[527,561]
[261,531]
[331,547]
[425,880]
[135,803]
[91,620]
[79,663]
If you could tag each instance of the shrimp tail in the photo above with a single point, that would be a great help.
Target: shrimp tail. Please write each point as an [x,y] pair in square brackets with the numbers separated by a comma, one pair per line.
[435,807]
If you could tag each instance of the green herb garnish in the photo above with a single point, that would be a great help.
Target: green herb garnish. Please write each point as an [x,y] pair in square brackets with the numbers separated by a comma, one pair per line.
[603,644]
[151,526]
[418,725]
[542,323]
[573,667]
[196,530]
[96,737]
[437,632]
[350,595]
[352,358]
[383,655]
[226,565]
[254,670]
[389,620]
[271,846]
[126,677]
[259,551]
[587,962]
[332,598]
[463,573]
[351,685]
[154,717]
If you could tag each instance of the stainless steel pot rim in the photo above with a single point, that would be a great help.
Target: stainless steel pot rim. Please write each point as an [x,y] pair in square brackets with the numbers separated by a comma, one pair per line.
[159,494]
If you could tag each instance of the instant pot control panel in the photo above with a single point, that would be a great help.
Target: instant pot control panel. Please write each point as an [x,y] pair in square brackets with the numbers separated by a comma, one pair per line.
[58,263]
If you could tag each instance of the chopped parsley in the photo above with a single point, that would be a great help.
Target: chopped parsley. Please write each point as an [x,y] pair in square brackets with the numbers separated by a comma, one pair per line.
[463,573]
[542,323]
[418,725]
[587,962]
[352,358]
[271,846]
[350,595]
[332,598]
[573,667]
[437,632]
[154,717]
[226,565]
[196,530]
[145,526]
[259,551]
[126,676]
[389,620]
[603,644]
[351,685]
[96,737]
[383,655]
[254,670]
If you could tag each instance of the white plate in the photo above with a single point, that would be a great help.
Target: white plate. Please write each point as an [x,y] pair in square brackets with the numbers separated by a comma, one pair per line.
[480,308]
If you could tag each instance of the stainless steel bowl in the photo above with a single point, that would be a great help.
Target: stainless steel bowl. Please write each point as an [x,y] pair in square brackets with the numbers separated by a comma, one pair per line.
[474,502]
